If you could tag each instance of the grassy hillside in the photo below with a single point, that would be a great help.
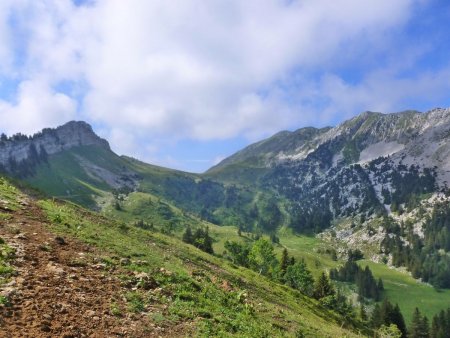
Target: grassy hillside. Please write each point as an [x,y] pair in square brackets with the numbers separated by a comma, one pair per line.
[205,294]
[63,175]
[169,200]
[400,287]
[217,298]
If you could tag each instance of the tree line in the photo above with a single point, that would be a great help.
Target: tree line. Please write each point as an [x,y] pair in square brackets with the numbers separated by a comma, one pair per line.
[260,257]
[200,239]
[367,286]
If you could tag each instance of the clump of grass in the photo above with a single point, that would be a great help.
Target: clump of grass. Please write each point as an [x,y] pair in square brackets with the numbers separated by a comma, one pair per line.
[135,302]
[4,301]
[116,310]
[78,262]
[6,254]
[13,229]
[158,318]
[6,270]
[45,247]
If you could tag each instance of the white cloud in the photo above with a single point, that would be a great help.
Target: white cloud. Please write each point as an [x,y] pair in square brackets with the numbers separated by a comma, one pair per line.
[6,43]
[201,69]
[37,107]
[196,68]
[382,91]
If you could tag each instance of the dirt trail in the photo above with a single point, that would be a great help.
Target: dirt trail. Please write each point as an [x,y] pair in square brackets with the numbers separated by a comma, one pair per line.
[59,290]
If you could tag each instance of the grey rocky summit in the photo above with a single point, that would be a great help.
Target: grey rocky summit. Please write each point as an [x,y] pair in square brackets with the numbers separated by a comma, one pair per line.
[48,142]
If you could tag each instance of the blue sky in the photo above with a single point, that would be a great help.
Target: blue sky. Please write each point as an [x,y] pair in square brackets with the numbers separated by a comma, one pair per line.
[185,83]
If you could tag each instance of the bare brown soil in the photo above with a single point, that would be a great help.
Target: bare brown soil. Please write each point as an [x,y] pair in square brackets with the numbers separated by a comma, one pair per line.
[60,289]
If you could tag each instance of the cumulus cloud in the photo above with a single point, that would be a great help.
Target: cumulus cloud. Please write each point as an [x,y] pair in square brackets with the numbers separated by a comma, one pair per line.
[203,69]
[382,91]
[211,69]
[37,107]
[6,56]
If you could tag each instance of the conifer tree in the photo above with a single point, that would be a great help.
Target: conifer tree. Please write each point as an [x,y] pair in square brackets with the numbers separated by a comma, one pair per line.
[284,262]
[323,287]
[376,319]
[440,327]
[419,326]
[387,314]
[187,236]
[397,319]
[292,261]
[208,242]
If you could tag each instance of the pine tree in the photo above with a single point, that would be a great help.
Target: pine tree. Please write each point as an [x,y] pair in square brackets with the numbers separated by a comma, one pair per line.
[237,252]
[292,261]
[284,262]
[440,327]
[323,287]
[397,319]
[394,206]
[187,236]
[200,239]
[388,314]
[376,318]
[435,328]
[419,326]
[208,241]
[425,327]
[117,205]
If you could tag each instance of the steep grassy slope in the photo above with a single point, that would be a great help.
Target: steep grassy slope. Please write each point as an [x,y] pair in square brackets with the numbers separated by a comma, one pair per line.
[80,174]
[400,287]
[251,162]
[202,294]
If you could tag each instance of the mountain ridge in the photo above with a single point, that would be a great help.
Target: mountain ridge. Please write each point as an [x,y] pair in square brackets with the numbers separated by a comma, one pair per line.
[354,127]
[49,141]
[281,144]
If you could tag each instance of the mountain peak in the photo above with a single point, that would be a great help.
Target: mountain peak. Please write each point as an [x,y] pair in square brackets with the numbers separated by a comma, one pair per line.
[20,148]
[76,125]
[78,133]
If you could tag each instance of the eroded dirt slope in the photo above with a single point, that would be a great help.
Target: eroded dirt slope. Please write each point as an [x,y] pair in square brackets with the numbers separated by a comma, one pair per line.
[60,288]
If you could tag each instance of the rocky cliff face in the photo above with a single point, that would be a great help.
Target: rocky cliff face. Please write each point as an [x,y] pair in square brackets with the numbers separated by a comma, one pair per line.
[19,148]
[358,140]
[360,167]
